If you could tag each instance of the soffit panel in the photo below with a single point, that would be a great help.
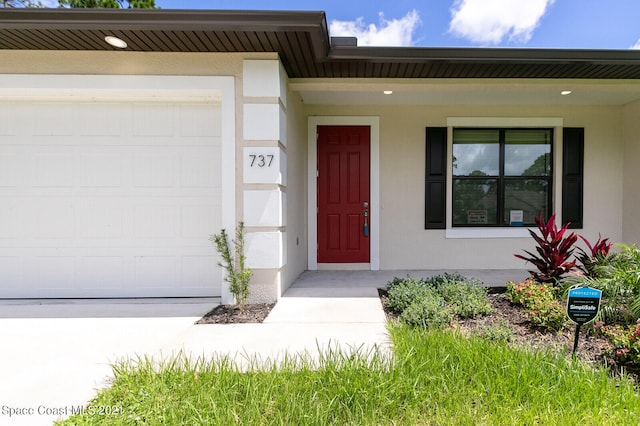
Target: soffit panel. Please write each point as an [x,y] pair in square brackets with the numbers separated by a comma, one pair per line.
[302,41]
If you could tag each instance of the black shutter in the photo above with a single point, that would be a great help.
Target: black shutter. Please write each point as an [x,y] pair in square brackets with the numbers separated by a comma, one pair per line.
[572,175]
[436,178]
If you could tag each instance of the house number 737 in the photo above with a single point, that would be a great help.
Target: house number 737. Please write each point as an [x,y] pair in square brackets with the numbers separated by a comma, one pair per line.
[260,160]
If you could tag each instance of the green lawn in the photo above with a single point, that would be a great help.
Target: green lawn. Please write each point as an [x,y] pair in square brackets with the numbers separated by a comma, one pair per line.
[435,378]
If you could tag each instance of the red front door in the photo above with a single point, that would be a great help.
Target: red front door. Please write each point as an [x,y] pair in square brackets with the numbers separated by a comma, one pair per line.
[343,194]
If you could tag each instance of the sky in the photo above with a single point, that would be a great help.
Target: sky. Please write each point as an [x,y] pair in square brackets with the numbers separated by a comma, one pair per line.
[575,24]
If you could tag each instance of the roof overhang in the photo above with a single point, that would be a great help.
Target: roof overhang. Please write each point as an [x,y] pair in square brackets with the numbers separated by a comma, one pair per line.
[302,41]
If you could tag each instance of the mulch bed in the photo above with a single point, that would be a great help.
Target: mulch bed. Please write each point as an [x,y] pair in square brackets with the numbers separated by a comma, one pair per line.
[591,347]
[232,314]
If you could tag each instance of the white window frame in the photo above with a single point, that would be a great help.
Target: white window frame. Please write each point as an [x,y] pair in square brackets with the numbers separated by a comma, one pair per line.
[502,122]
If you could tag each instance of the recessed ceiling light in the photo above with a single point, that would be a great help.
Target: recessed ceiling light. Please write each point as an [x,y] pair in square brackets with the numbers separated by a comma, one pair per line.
[116,42]
[565,92]
[388,92]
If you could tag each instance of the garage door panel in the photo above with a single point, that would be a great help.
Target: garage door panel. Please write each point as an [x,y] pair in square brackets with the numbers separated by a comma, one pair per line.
[55,219]
[155,271]
[12,269]
[10,160]
[102,167]
[154,221]
[99,218]
[54,166]
[53,272]
[200,121]
[157,119]
[9,220]
[47,119]
[7,121]
[104,119]
[110,210]
[198,221]
[97,272]
[195,167]
[197,271]
[156,168]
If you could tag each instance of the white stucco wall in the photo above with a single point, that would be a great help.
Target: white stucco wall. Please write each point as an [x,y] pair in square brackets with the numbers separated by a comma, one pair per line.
[405,244]
[631,134]
[296,196]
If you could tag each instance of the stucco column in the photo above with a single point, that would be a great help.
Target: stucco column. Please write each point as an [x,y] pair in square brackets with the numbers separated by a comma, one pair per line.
[264,175]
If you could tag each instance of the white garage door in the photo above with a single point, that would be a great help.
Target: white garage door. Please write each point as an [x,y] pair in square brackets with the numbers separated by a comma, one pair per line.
[109,199]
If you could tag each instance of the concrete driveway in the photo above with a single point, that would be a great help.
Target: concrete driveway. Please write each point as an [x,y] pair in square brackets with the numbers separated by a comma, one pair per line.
[55,356]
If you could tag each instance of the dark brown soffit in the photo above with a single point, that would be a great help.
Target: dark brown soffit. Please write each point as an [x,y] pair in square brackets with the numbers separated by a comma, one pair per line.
[302,41]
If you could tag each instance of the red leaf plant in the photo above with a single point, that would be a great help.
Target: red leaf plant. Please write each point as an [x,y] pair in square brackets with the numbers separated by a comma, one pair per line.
[597,252]
[554,251]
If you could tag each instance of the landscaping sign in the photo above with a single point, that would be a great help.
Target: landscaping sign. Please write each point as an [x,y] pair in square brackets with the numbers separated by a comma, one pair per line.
[583,304]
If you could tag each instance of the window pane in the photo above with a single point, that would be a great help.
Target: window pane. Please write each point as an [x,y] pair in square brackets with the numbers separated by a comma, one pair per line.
[530,196]
[475,202]
[527,152]
[476,152]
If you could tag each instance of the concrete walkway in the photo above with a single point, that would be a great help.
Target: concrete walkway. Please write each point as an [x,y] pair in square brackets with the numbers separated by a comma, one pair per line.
[56,354]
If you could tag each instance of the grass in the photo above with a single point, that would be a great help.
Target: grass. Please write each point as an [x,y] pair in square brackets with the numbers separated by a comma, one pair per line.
[437,377]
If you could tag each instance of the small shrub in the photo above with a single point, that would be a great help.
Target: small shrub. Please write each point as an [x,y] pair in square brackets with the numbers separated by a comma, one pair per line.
[624,340]
[501,332]
[234,263]
[437,281]
[526,292]
[434,301]
[396,281]
[429,311]
[403,293]
[467,297]
[540,304]
[548,314]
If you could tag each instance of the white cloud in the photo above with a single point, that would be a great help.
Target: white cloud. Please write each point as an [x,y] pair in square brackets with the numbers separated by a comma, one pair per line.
[395,32]
[636,46]
[491,21]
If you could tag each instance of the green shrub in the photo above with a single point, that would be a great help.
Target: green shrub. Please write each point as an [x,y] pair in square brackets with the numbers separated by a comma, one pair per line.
[435,300]
[548,314]
[618,276]
[624,340]
[403,293]
[438,281]
[467,297]
[396,281]
[500,332]
[525,293]
[540,303]
[429,311]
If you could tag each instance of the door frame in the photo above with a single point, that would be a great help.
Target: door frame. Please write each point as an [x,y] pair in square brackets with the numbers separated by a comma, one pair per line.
[374,169]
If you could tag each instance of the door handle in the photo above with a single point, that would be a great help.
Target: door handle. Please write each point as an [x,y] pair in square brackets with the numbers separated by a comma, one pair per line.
[366,219]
